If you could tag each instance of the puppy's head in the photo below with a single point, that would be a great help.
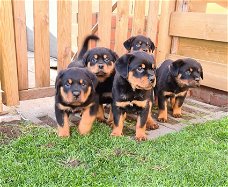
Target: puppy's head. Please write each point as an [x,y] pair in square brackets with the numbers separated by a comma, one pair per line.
[187,72]
[75,85]
[100,61]
[138,68]
[139,43]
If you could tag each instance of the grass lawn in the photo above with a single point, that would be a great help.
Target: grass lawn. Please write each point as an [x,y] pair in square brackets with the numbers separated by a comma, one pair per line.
[195,156]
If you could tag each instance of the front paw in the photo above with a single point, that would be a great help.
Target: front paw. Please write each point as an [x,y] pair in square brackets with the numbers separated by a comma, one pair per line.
[177,115]
[141,137]
[116,132]
[63,133]
[151,126]
[163,120]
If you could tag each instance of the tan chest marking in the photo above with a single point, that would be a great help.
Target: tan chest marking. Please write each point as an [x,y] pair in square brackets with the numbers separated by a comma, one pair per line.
[141,104]
[172,94]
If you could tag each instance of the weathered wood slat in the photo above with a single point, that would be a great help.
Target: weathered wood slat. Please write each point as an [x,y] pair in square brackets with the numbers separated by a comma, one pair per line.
[21,43]
[8,66]
[41,43]
[199,25]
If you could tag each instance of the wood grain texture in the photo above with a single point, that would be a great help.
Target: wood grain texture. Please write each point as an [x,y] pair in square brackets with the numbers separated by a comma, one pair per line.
[104,21]
[21,43]
[41,43]
[64,13]
[84,21]
[121,26]
[164,39]
[1,107]
[36,93]
[199,25]
[138,18]
[215,74]
[8,65]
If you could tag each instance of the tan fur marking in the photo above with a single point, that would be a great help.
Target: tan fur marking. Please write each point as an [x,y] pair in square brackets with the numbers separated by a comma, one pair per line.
[65,130]
[67,97]
[84,96]
[143,66]
[110,117]
[95,56]
[105,56]
[139,83]
[100,113]
[70,81]
[172,101]
[177,110]
[85,125]
[150,124]
[62,107]
[81,81]
[117,130]
[191,70]
[123,103]
[141,104]
[162,114]
[140,131]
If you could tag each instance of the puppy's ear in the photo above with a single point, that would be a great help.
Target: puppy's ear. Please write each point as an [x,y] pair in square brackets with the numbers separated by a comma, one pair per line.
[128,42]
[175,66]
[122,64]
[152,46]
[92,77]
[115,56]
[85,59]
[58,81]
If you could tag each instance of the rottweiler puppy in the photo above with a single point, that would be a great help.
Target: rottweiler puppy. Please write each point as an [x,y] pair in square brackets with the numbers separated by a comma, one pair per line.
[139,43]
[77,61]
[101,62]
[174,78]
[134,79]
[75,92]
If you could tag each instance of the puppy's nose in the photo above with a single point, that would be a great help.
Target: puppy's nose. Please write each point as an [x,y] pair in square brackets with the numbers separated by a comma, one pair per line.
[197,79]
[100,66]
[76,93]
[145,50]
[151,78]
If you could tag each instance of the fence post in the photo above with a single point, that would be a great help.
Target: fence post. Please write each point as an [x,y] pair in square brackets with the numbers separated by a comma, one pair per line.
[8,66]
[1,108]
[164,40]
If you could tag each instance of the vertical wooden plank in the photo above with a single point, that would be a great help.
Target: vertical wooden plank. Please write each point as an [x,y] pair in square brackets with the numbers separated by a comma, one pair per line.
[152,20]
[84,20]
[139,17]
[41,43]
[64,13]
[21,43]
[8,65]
[164,40]
[1,107]
[121,26]
[104,21]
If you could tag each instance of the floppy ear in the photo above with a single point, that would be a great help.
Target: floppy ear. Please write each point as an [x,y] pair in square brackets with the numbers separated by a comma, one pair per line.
[85,59]
[115,56]
[122,64]
[128,42]
[92,77]
[58,81]
[174,67]
[152,46]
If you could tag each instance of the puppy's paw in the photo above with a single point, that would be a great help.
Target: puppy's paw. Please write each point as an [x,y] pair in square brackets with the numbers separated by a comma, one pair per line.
[116,132]
[163,120]
[141,137]
[63,134]
[151,126]
[177,115]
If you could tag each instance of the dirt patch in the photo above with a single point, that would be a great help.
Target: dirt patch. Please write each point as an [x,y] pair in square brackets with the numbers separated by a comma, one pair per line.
[8,133]
[48,121]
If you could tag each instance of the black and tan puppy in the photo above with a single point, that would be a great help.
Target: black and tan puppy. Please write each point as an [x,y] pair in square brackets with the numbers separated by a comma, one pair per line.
[139,43]
[75,92]
[134,79]
[174,78]
[101,62]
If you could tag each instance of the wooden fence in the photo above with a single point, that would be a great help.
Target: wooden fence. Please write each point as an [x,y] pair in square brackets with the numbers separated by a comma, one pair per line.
[176,25]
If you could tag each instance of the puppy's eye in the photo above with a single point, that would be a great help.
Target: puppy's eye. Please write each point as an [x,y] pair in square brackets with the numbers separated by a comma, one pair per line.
[188,72]
[67,85]
[140,69]
[94,60]
[106,60]
[138,44]
[83,84]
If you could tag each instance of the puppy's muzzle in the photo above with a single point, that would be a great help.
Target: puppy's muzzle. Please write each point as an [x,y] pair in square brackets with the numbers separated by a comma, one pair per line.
[145,50]
[76,94]
[151,78]
[100,66]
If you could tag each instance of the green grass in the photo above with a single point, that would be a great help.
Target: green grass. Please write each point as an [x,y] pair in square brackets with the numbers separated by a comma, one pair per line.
[195,156]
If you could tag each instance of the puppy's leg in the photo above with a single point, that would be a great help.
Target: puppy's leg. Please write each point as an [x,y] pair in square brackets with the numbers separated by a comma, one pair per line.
[88,117]
[100,114]
[141,124]
[150,124]
[162,105]
[119,118]
[63,122]
[110,117]
[177,106]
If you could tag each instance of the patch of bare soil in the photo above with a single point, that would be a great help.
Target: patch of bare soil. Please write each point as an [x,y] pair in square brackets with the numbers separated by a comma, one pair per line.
[8,133]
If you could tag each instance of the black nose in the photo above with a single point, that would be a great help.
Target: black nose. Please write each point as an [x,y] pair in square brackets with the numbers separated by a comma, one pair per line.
[151,78]
[100,66]
[76,93]
[197,79]
[145,50]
